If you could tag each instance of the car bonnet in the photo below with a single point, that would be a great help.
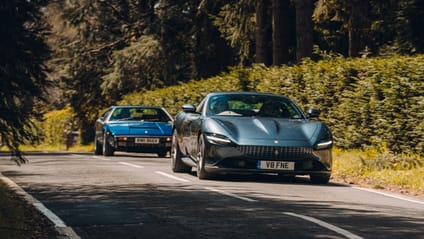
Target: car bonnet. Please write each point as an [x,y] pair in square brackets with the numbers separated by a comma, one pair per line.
[141,128]
[266,131]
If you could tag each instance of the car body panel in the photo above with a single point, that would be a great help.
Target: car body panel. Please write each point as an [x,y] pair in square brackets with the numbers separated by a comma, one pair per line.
[238,139]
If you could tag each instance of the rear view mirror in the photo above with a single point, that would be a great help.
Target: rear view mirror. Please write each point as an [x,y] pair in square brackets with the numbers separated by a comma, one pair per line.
[189,108]
[313,113]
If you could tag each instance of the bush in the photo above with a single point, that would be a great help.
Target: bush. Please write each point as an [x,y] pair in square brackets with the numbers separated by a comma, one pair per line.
[57,125]
[366,102]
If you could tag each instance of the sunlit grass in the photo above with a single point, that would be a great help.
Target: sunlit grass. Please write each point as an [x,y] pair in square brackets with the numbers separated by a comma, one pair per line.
[54,148]
[357,167]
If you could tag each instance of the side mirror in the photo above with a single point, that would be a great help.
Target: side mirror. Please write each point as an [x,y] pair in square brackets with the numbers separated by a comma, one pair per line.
[313,113]
[189,108]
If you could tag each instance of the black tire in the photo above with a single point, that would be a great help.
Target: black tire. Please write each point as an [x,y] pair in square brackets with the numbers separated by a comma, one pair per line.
[162,154]
[177,164]
[107,148]
[201,172]
[98,147]
[319,178]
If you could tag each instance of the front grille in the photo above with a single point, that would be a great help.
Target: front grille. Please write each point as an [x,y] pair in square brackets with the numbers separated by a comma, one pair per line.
[276,153]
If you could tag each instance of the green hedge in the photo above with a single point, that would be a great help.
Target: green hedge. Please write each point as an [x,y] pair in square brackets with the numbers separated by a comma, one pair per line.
[57,125]
[377,102]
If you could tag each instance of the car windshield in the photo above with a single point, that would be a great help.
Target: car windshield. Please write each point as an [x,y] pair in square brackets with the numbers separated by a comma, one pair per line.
[139,114]
[252,105]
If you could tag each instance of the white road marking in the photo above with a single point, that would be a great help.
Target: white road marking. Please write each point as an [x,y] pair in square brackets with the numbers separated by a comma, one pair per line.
[230,194]
[172,176]
[131,165]
[59,224]
[326,225]
[101,158]
[49,214]
[388,195]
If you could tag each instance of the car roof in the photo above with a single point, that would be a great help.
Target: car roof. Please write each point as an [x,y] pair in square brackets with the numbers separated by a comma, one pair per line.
[245,93]
[136,106]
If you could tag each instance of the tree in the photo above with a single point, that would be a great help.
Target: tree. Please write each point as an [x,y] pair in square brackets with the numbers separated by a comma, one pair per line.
[23,52]
[304,30]
[350,16]
[280,32]
[263,33]
[235,21]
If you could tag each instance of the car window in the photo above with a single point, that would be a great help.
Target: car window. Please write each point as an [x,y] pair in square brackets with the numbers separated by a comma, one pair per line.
[253,105]
[140,114]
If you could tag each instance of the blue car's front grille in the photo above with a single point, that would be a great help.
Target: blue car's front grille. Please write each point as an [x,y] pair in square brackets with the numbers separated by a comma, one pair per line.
[276,153]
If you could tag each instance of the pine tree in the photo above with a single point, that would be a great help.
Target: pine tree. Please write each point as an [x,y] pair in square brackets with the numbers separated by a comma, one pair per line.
[22,72]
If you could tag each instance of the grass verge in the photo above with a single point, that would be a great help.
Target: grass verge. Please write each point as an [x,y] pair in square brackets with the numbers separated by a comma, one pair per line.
[20,220]
[401,174]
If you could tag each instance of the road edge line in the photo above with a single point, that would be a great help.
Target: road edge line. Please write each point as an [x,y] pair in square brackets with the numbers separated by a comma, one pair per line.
[59,225]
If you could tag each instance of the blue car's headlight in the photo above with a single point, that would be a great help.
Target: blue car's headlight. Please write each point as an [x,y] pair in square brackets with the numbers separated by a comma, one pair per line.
[217,139]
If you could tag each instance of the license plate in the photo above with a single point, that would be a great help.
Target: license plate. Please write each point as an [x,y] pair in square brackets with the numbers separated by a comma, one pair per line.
[146,140]
[277,165]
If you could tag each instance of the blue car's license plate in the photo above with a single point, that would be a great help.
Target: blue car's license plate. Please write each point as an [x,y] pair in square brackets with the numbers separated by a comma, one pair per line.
[146,140]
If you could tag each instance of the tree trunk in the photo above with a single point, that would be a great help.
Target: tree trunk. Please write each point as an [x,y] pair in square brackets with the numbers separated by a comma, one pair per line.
[280,30]
[263,33]
[358,21]
[304,34]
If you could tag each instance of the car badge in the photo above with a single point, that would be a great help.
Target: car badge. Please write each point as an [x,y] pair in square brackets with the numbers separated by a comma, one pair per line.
[275,141]
[146,132]
[276,152]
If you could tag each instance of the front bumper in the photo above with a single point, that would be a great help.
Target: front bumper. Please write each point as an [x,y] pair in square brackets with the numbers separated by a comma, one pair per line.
[246,159]
[129,144]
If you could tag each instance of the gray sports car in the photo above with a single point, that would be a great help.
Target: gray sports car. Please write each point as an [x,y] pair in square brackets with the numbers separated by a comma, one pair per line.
[247,132]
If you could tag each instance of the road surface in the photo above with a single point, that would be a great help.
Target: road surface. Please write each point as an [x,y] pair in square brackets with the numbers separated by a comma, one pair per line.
[138,196]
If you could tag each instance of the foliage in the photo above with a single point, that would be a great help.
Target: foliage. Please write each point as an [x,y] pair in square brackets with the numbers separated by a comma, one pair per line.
[22,72]
[57,125]
[135,67]
[367,102]
[236,24]
[382,170]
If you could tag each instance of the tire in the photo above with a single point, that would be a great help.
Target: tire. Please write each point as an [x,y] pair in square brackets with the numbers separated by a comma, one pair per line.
[177,164]
[319,178]
[201,156]
[98,147]
[107,148]
[162,154]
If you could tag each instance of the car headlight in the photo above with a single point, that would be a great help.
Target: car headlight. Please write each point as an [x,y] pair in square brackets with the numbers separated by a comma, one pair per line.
[324,144]
[218,139]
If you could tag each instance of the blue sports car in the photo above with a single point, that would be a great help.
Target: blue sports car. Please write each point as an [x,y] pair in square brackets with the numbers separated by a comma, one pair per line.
[133,129]
[246,132]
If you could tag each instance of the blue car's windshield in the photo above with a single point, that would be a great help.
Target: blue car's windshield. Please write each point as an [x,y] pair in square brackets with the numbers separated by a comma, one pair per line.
[139,114]
[252,105]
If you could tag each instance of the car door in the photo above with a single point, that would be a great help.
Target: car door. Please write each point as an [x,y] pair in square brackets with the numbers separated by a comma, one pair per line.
[99,125]
[194,128]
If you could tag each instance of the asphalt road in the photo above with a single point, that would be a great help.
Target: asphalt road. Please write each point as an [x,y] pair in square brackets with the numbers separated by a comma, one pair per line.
[138,196]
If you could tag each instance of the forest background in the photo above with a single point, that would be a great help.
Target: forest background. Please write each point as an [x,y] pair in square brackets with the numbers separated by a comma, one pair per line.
[359,61]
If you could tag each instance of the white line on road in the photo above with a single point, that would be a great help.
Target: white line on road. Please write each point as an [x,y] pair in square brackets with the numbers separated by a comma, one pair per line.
[388,195]
[326,225]
[230,194]
[171,176]
[131,165]
[49,214]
